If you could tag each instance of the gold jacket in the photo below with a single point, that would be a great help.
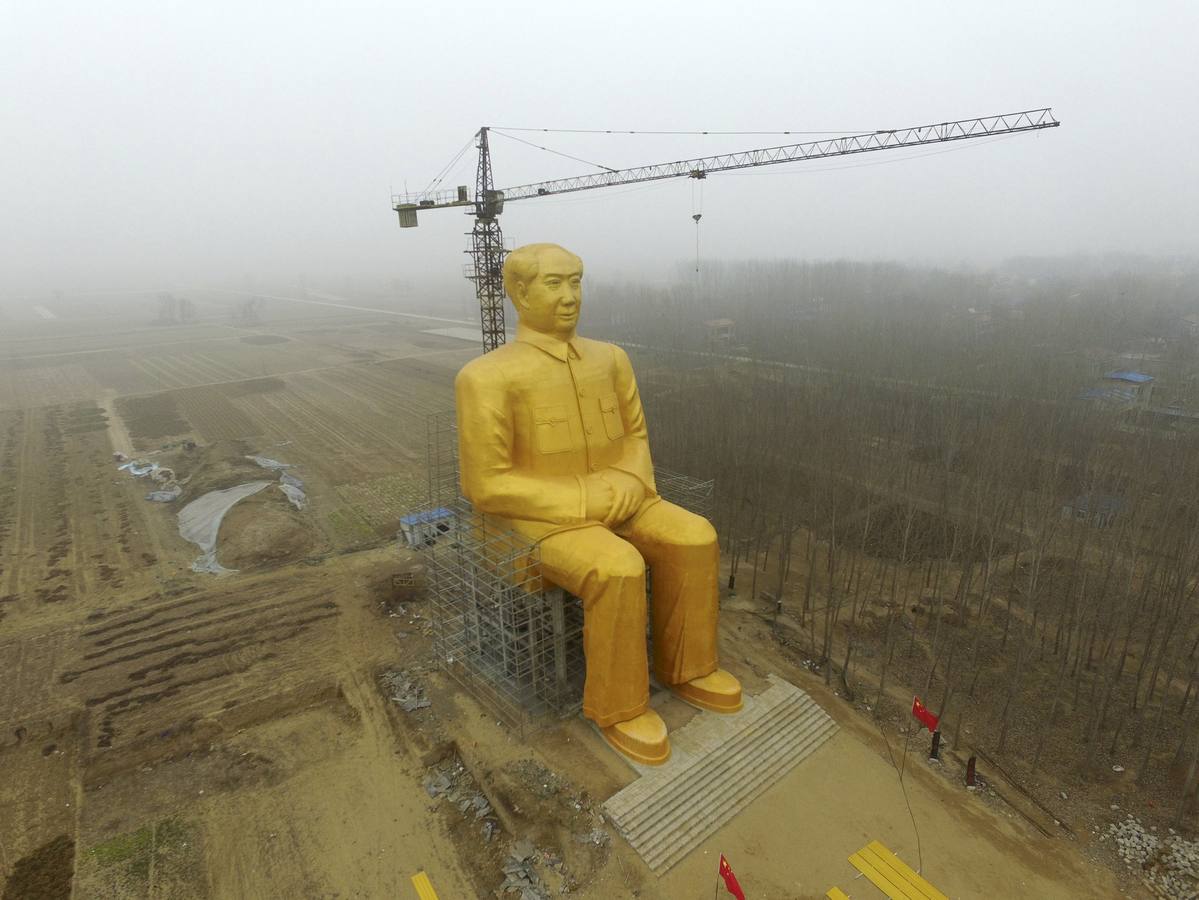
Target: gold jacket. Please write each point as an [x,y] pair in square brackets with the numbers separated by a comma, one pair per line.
[538,415]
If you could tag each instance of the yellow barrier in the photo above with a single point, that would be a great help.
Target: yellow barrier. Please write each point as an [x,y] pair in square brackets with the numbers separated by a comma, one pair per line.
[424,887]
[891,875]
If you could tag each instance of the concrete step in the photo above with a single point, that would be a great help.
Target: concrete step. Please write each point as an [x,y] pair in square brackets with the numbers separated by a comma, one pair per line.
[686,833]
[719,797]
[720,764]
[693,745]
[791,730]
[747,749]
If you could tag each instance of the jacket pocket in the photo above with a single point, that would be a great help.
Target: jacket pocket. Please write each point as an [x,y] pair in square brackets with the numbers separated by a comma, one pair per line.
[610,410]
[553,429]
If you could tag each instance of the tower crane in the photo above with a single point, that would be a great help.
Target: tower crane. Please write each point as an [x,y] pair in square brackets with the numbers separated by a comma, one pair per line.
[487,242]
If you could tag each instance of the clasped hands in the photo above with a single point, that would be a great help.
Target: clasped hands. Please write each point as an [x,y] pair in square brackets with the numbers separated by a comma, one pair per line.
[613,496]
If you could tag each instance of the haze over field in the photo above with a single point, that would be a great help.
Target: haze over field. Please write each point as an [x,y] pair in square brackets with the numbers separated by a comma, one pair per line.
[940,406]
[152,146]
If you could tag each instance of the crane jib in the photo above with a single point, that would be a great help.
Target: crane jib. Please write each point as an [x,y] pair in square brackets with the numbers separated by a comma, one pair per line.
[701,167]
[487,248]
[820,149]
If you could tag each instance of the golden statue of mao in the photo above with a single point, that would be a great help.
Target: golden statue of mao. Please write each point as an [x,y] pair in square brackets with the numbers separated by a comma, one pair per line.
[552,440]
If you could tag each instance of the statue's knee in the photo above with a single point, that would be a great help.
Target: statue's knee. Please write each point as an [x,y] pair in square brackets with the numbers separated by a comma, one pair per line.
[694,531]
[622,561]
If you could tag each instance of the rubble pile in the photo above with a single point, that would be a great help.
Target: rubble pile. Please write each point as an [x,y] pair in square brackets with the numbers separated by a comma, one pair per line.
[405,691]
[1169,866]
[520,874]
[450,781]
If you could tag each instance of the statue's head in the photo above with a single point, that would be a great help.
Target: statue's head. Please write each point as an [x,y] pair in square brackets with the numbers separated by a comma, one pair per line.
[544,282]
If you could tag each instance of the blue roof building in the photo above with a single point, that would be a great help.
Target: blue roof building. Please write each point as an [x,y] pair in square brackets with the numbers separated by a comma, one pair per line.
[1129,376]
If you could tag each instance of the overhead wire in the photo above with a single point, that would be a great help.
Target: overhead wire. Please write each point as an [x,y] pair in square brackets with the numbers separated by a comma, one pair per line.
[844,131]
[586,162]
[903,788]
[445,170]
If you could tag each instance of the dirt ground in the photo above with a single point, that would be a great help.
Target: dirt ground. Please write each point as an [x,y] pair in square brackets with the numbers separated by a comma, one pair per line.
[165,734]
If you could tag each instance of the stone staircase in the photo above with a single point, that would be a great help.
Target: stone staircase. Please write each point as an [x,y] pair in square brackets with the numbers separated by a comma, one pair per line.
[718,765]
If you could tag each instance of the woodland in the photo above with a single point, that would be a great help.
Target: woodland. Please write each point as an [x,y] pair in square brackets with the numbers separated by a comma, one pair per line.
[914,485]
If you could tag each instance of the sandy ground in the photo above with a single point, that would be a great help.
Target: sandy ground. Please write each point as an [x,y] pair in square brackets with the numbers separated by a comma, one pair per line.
[794,840]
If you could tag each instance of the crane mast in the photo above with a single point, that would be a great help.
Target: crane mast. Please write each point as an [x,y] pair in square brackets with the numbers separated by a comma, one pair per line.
[487,250]
[487,244]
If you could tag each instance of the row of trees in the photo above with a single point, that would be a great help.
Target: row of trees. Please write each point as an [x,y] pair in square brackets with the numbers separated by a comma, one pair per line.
[925,506]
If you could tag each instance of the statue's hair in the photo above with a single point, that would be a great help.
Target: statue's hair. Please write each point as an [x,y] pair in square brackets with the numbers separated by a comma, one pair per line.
[520,266]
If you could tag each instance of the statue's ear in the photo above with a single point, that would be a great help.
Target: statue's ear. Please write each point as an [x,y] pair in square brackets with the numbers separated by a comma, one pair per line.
[520,295]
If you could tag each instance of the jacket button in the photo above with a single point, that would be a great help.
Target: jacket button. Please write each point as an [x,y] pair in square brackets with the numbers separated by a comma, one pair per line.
[589,429]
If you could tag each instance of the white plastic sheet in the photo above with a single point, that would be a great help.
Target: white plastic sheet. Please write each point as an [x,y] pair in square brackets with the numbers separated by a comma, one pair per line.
[200,522]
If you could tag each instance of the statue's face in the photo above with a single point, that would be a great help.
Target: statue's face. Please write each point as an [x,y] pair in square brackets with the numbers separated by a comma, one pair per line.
[550,303]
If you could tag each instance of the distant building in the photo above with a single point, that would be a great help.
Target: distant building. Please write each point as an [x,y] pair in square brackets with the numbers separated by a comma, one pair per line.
[720,333]
[424,528]
[1139,383]
[1096,510]
[1121,387]
[1189,325]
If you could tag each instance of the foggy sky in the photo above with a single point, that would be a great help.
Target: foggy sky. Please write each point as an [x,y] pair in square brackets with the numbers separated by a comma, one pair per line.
[168,144]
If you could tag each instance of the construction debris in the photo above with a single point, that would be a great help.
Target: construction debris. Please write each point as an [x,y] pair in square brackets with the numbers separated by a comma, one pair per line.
[520,873]
[1170,867]
[289,484]
[405,691]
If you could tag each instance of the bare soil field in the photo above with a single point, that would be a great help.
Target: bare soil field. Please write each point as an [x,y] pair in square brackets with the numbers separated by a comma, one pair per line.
[170,734]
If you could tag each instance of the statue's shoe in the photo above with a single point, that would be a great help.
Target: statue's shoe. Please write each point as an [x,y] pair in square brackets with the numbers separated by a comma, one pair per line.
[642,739]
[719,692]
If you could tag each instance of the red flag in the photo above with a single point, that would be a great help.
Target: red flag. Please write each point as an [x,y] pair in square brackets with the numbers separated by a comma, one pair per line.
[921,712]
[730,880]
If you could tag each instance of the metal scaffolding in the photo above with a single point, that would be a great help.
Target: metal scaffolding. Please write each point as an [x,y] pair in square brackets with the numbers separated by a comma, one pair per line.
[515,642]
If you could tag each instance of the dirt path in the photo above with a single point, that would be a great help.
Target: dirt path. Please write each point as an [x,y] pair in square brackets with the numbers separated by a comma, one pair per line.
[118,434]
[354,823]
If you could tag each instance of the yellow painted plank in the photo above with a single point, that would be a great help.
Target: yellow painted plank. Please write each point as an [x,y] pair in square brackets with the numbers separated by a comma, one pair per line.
[835,893]
[884,879]
[885,858]
[424,887]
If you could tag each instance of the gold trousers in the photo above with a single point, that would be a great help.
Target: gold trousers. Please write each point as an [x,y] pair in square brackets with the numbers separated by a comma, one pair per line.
[606,569]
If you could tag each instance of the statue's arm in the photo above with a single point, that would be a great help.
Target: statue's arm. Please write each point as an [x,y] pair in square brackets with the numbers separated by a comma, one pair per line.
[485,457]
[635,458]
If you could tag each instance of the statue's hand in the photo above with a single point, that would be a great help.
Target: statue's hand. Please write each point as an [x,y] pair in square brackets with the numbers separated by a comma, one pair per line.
[600,498]
[629,494]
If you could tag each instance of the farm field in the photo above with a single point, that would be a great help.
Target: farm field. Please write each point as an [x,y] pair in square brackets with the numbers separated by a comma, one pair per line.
[117,656]
[170,733]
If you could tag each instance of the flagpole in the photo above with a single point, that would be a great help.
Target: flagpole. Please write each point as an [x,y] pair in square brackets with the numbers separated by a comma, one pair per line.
[716,893]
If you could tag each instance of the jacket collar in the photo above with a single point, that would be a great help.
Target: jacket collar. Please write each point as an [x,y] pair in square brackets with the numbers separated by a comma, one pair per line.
[555,347]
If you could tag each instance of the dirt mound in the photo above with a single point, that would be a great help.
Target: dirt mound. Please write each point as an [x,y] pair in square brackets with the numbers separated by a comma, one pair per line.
[262,531]
[210,467]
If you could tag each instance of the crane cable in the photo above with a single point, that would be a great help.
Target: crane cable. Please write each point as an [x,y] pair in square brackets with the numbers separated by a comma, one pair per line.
[697,212]
[445,170]
[585,162]
[842,131]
